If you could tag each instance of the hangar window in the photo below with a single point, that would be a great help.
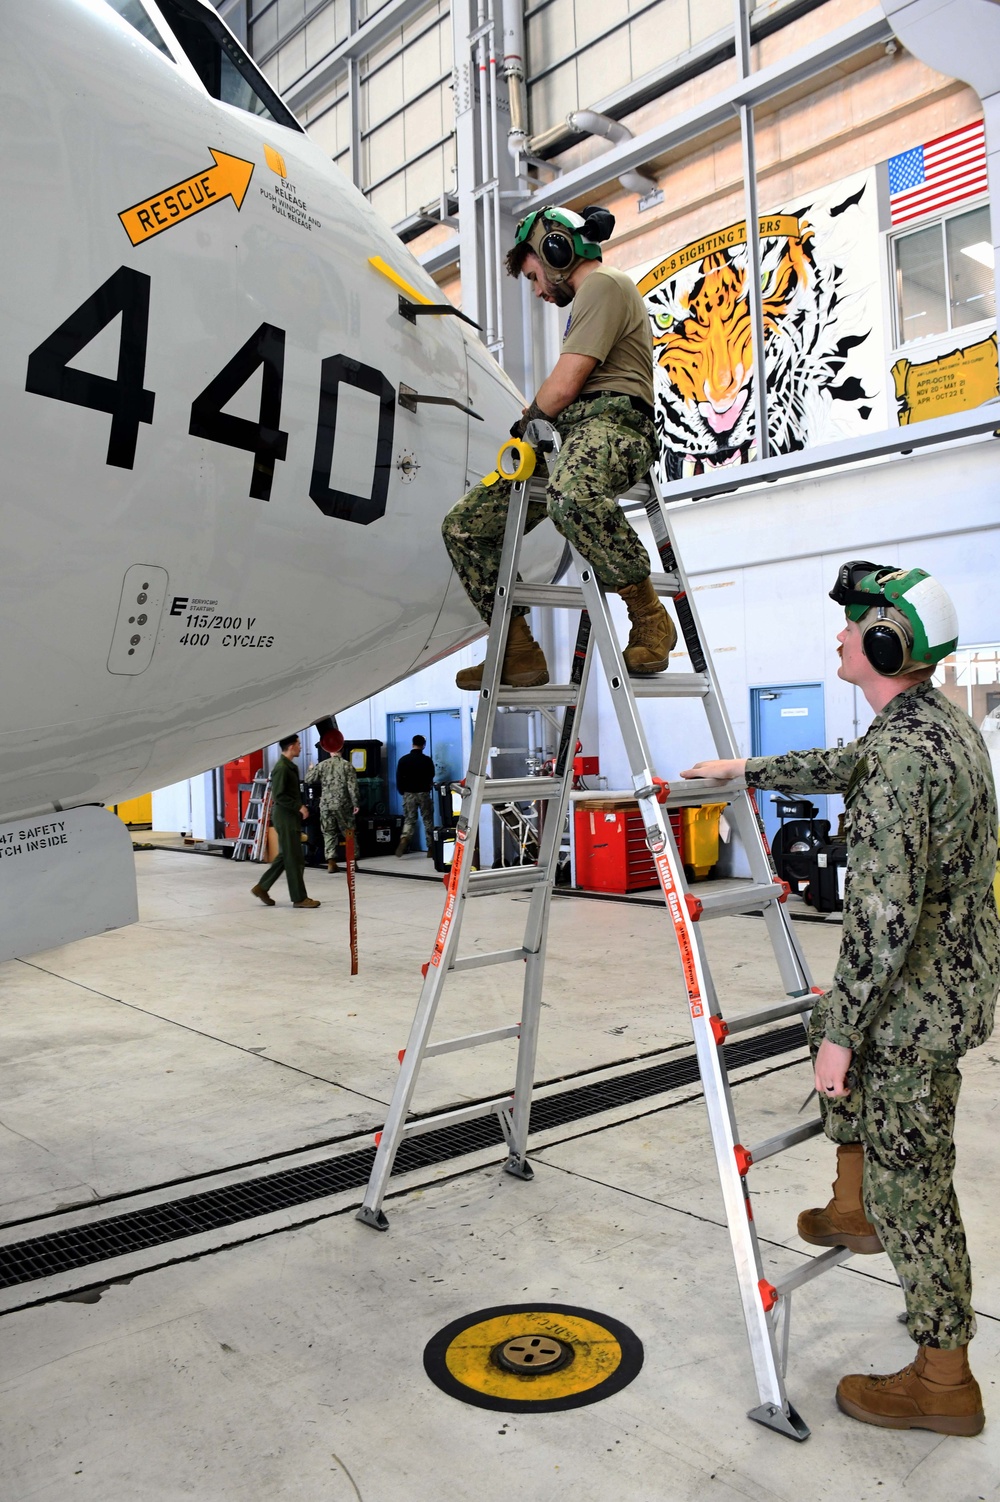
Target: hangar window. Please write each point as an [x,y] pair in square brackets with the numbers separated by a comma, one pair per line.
[220,62]
[970,678]
[944,275]
[132,12]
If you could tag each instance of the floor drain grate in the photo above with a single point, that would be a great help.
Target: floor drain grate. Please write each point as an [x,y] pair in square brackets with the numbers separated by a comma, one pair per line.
[139,1230]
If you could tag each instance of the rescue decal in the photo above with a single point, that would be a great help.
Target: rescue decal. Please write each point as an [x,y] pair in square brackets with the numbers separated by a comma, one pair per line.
[229,178]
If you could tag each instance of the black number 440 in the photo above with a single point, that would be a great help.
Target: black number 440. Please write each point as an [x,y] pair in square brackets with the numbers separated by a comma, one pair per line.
[125,398]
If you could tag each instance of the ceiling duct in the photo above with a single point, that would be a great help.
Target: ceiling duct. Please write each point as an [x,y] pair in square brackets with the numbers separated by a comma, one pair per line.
[590,123]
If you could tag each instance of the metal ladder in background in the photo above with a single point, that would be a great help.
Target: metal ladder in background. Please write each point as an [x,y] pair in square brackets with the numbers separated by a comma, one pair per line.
[249,845]
[765,1305]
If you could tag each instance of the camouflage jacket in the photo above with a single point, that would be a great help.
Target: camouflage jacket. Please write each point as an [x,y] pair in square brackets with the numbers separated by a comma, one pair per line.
[919,960]
[338,782]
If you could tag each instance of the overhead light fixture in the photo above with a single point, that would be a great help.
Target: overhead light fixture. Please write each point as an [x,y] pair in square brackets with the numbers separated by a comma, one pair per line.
[982,252]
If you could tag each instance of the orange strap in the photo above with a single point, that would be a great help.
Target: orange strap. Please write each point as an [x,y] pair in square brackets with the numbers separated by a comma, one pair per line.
[349,861]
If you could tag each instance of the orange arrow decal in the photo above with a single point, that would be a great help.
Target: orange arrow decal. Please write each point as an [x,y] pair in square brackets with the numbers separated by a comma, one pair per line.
[229,178]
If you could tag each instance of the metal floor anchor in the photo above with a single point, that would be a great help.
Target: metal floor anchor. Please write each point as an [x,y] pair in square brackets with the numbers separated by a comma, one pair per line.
[766,1306]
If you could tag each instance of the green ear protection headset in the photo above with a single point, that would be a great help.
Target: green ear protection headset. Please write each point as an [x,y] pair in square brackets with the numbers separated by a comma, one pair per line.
[927,631]
[557,238]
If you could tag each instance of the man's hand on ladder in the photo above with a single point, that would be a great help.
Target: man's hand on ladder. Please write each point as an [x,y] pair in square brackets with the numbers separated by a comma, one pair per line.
[719,771]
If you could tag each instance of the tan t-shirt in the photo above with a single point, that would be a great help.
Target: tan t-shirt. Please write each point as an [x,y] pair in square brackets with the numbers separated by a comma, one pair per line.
[609,322]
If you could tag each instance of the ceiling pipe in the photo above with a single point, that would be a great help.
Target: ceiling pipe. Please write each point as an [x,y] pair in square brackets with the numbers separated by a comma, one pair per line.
[590,123]
[513,72]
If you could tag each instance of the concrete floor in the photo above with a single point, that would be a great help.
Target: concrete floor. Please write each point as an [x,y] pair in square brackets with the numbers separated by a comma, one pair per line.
[218,1033]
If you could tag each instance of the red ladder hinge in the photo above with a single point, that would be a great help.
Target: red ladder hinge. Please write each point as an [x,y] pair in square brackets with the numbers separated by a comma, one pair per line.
[662,789]
[817,991]
[424,968]
[720,1028]
[768,1294]
[378,1138]
[695,906]
[744,1159]
[786,893]
[401,1055]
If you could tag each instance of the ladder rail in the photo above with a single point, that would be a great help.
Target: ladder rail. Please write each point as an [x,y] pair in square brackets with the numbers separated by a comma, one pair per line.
[743,812]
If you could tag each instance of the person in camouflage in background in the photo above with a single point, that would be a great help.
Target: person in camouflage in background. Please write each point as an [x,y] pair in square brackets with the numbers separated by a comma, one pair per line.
[599,397]
[915,984]
[338,802]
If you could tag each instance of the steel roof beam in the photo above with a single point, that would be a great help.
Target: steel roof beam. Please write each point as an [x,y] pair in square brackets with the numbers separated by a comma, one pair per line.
[976,423]
[367,37]
[867,30]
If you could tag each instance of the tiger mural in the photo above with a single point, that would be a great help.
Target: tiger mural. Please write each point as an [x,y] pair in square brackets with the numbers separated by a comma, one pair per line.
[703,343]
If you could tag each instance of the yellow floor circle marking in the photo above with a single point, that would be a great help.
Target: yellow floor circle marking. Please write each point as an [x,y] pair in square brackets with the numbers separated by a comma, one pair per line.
[562,1357]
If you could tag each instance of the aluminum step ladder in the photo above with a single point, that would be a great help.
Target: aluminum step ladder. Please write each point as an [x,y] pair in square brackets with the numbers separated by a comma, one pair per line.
[250,842]
[766,1305]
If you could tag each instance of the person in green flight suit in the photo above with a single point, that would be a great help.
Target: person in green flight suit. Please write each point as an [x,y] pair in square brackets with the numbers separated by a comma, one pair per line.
[287,813]
[916,979]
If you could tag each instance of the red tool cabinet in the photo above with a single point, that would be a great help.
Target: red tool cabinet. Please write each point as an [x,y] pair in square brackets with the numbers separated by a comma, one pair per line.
[611,850]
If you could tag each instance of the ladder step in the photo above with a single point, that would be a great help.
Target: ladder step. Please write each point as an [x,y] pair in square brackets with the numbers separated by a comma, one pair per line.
[510,879]
[549,696]
[520,789]
[812,1269]
[471,1040]
[736,899]
[666,584]
[671,686]
[782,1140]
[769,1014]
[495,957]
[555,596]
[684,793]
[454,1118]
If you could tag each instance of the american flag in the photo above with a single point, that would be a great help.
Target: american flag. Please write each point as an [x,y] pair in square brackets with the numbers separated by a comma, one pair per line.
[941,172]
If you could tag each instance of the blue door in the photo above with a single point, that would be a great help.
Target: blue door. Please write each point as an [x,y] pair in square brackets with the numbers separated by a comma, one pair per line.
[786,718]
[442,730]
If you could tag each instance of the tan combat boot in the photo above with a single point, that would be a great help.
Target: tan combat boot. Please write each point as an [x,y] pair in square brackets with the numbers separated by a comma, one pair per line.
[403,845]
[653,635]
[524,664]
[843,1221]
[306,902]
[937,1392]
[332,866]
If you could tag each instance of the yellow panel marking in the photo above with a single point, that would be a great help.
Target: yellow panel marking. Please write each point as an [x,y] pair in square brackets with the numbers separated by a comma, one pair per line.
[275,160]
[395,277]
[229,178]
[597,1356]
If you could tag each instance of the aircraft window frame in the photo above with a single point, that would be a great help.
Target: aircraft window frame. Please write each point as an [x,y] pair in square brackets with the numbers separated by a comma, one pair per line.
[128,11]
[198,15]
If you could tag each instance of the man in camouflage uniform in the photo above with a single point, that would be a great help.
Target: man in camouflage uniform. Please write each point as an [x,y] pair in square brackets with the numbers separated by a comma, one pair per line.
[338,802]
[599,397]
[915,984]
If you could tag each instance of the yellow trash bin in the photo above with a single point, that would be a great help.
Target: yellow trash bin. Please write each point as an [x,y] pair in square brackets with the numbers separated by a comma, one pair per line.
[701,839]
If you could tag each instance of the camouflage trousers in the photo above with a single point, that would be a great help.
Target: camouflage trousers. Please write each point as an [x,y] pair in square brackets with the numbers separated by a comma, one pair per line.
[412,803]
[606,447]
[335,819]
[902,1108]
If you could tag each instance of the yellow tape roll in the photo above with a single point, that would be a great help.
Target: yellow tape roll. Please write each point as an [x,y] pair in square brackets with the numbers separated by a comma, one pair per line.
[516,460]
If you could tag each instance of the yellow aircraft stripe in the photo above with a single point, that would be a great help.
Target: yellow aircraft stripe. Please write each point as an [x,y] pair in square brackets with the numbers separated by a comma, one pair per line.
[395,277]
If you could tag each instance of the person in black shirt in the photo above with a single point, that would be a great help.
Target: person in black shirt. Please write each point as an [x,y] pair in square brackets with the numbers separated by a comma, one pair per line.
[414,780]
